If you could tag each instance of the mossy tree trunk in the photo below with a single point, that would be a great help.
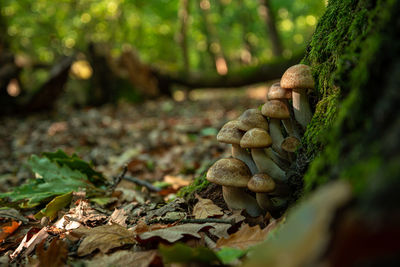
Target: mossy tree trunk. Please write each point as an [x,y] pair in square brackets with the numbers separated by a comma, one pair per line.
[355,132]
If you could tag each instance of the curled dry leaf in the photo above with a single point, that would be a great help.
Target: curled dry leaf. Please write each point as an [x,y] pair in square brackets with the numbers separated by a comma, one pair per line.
[104,238]
[205,208]
[31,239]
[246,237]
[7,229]
[118,217]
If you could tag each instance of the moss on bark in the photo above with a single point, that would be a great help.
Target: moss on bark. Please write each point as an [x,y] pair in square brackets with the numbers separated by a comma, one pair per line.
[354,55]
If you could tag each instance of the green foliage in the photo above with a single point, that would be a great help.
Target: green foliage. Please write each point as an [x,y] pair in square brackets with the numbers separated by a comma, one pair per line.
[57,174]
[228,255]
[184,254]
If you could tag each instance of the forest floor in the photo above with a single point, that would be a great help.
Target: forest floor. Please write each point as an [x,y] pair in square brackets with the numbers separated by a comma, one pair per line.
[164,142]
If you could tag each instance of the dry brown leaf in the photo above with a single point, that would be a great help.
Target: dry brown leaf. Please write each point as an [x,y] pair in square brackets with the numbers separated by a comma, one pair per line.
[31,239]
[104,238]
[176,181]
[246,237]
[174,233]
[205,208]
[220,229]
[124,258]
[118,217]
[56,254]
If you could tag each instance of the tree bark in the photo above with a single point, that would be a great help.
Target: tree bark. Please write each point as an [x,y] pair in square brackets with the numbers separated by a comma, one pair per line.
[183,15]
[267,14]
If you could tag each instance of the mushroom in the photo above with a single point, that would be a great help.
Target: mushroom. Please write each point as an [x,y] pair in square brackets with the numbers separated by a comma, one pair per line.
[276,92]
[299,79]
[252,118]
[290,145]
[276,110]
[231,134]
[257,139]
[262,184]
[233,174]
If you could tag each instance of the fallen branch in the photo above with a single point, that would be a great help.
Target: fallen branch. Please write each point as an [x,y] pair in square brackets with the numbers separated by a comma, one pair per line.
[119,178]
[144,183]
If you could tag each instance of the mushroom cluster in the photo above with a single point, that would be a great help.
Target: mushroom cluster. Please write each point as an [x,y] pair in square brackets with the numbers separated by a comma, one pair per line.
[263,146]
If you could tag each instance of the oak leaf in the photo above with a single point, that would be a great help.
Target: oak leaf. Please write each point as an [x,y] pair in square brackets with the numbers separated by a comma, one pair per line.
[205,208]
[246,237]
[104,238]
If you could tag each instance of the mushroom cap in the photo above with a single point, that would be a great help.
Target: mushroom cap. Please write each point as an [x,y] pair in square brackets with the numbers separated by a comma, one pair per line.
[298,77]
[276,109]
[229,172]
[277,92]
[290,144]
[230,133]
[256,138]
[261,183]
[252,118]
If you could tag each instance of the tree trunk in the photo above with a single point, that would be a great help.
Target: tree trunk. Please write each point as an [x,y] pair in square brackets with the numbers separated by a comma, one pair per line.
[182,37]
[267,14]
[213,44]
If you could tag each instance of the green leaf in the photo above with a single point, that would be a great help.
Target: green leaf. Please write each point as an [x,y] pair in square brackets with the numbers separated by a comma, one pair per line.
[54,206]
[182,253]
[55,179]
[75,163]
[228,255]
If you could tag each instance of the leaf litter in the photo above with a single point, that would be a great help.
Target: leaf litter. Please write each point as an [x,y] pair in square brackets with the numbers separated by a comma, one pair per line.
[128,224]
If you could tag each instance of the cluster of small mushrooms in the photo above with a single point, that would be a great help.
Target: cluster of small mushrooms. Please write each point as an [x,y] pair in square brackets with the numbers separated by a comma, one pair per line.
[262,150]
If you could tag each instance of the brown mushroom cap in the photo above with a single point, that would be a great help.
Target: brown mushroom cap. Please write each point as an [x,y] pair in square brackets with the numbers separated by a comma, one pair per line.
[256,138]
[261,183]
[229,172]
[230,133]
[275,109]
[290,144]
[252,118]
[298,77]
[277,92]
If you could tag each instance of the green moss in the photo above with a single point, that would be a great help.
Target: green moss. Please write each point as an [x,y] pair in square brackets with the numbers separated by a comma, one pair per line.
[199,184]
[342,55]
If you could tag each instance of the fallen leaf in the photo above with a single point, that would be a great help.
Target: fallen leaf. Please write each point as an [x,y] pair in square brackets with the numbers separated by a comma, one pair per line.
[104,238]
[246,237]
[176,181]
[220,229]
[54,206]
[56,254]
[174,233]
[205,208]
[229,255]
[7,229]
[125,258]
[12,214]
[118,217]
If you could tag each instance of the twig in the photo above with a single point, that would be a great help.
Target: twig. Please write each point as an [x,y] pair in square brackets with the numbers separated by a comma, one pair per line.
[206,220]
[119,178]
[142,183]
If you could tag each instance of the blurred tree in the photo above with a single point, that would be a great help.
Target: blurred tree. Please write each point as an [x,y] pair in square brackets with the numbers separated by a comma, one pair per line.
[269,17]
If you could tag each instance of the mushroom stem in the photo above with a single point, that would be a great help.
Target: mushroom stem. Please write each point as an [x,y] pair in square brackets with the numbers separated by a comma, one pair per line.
[243,155]
[266,165]
[270,203]
[236,198]
[264,202]
[282,163]
[301,107]
[276,136]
